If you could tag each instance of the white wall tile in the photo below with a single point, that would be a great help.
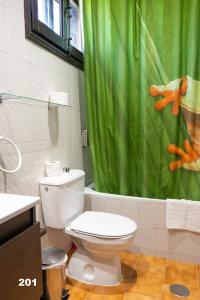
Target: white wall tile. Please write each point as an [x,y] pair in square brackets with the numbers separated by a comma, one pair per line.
[152,213]
[3,2]
[5,74]
[74,93]
[77,159]
[39,123]
[162,240]
[20,121]
[76,124]
[41,134]
[186,258]
[146,238]
[65,123]
[30,188]
[3,29]
[4,122]
[33,161]
[152,236]
[63,152]
[147,251]
[30,80]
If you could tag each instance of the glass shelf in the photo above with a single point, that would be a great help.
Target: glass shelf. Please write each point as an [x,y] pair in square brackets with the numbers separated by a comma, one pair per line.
[5,97]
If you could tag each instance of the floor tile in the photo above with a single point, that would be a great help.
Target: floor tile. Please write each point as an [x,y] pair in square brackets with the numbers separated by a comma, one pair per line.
[183,273]
[152,261]
[129,258]
[77,289]
[108,293]
[132,296]
[198,278]
[149,282]
[198,273]
[77,293]
[145,278]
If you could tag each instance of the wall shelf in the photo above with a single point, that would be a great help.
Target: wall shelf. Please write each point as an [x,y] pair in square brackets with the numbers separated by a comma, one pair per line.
[5,97]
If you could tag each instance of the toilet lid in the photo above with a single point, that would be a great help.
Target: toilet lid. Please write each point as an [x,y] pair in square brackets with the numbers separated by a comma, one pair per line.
[103,224]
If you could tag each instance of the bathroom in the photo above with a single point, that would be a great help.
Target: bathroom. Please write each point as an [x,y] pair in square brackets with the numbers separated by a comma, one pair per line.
[99,150]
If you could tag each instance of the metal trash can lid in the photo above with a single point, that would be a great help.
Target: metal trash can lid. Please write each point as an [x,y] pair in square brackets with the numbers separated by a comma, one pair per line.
[52,255]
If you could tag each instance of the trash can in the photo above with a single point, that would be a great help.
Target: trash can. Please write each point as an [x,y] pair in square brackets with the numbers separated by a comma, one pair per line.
[54,274]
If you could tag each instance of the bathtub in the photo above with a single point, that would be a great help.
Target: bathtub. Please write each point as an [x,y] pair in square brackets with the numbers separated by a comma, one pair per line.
[152,237]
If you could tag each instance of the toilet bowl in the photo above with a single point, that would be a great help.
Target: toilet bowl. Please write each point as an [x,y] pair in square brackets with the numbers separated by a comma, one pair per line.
[99,236]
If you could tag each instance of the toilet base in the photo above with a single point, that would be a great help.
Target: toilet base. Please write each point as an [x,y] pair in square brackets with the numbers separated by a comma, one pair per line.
[95,270]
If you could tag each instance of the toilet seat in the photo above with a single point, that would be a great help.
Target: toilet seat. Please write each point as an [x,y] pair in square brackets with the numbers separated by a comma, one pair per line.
[103,225]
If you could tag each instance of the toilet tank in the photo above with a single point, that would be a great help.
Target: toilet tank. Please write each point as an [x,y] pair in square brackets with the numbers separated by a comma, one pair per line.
[62,198]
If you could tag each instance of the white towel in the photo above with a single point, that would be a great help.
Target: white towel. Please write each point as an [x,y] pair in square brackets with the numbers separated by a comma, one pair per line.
[183,214]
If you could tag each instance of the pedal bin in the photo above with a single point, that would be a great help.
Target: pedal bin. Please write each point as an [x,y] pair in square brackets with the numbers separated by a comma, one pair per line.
[54,274]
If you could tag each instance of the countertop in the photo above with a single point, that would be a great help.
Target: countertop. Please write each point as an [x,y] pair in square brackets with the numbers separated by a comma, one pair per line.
[12,205]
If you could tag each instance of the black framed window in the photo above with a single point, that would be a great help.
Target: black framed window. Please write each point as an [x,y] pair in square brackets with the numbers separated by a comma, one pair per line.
[56,26]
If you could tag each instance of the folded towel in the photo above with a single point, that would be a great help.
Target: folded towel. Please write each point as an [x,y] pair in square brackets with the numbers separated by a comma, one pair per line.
[183,214]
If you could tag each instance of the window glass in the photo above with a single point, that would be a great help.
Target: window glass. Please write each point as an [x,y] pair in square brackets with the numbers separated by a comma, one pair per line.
[49,14]
[75,26]
[56,25]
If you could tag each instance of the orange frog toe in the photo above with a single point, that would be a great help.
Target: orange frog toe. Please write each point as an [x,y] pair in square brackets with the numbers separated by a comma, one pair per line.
[187,156]
[170,96]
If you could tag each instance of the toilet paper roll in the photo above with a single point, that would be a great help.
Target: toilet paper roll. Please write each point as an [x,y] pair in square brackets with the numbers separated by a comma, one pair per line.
[53,168]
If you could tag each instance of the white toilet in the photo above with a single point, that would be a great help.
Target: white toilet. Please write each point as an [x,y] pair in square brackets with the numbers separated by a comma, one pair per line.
[99,236]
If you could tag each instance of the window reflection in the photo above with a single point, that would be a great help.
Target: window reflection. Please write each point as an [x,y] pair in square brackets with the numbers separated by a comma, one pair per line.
[75,26]
[49,14]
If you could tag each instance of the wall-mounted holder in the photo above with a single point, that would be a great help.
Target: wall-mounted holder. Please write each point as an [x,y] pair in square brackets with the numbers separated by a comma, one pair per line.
[85,138]
[19,164]
[59,98]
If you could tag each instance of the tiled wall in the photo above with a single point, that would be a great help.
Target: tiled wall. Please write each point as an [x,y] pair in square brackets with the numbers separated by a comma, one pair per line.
[152,237]
[41,134]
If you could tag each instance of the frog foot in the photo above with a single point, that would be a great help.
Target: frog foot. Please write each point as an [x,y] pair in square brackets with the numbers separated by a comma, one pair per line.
[170,96]
[187,156]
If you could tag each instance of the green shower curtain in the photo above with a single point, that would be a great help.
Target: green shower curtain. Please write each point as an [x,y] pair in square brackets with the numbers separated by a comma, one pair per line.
[142,76]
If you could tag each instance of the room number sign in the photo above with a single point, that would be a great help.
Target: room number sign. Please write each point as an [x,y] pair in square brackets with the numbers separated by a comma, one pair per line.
[27,282]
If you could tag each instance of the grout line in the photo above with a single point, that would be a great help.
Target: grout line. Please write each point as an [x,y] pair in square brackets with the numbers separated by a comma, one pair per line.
[32,180]
[138,259]
[164,274]
[198,283]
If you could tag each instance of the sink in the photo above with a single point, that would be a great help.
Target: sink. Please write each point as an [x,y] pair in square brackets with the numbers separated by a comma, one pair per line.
[12,205]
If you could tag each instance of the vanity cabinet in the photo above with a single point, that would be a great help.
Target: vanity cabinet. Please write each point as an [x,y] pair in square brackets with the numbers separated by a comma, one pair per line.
[20,258]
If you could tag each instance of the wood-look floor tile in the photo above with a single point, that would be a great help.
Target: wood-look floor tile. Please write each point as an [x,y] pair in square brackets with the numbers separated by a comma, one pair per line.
[143,280]
[152,261]
[129,258]
[81,285]
[149,282]
[198,278]
[167,295]
[77,293]
[132,296]
[198,274]
[108,293]
[77,290]
[182,273]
